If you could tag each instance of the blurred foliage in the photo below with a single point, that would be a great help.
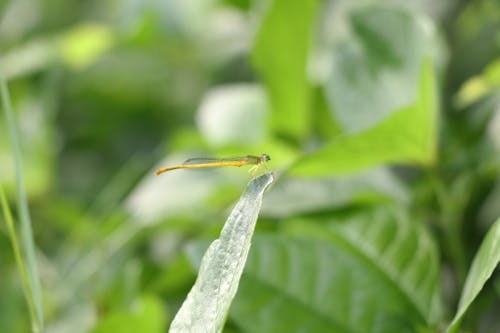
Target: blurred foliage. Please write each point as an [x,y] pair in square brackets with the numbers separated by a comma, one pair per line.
[382,119]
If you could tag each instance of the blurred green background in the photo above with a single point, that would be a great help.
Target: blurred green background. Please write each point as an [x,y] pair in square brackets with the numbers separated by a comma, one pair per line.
[381,118]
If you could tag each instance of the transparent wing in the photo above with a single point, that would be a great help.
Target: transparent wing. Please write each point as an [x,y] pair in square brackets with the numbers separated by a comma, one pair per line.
[209,160]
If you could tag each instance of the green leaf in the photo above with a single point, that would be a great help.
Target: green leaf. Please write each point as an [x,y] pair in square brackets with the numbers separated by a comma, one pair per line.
[145,315]
[485,262]
[478,86]
[408,135]
[376,72]
[374,186]
[239,105]
[280,56]
[207,304]
[82,45]
[376,273]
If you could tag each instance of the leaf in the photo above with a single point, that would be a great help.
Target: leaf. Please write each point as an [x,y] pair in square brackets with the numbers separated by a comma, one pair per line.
[485,262]
[280,56]
[376,72]
[368,273]
[207,304]
[408,135]
[374,186]
[478,86]
[82,45]
[239,105]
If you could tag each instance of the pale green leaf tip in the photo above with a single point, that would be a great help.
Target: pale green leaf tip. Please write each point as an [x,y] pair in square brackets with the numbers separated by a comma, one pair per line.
[261,182]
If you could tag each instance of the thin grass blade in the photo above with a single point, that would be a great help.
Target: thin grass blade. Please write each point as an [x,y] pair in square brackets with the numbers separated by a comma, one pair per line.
[26,241]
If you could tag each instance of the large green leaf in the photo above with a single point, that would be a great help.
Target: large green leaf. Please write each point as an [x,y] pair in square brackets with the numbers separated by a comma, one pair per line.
[373,274]
[207,304]
[484,264]
[408,135]
[370,273]
[376,72]
[280,56]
